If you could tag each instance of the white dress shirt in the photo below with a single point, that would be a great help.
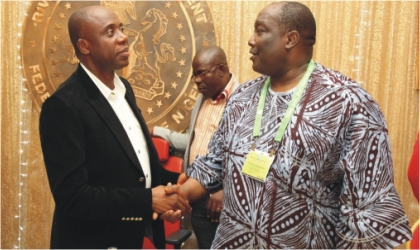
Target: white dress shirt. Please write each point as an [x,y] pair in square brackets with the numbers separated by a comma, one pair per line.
[127,118]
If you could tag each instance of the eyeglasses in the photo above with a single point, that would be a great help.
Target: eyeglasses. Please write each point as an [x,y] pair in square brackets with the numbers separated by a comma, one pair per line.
[203,74]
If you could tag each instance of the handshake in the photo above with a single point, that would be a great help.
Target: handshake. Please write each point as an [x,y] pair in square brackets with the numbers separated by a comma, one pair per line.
[172,201]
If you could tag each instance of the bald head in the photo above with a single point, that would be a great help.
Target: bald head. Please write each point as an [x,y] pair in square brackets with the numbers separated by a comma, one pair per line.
[296,16]
[99,41]
[210,71]
[212,54]
[78,23]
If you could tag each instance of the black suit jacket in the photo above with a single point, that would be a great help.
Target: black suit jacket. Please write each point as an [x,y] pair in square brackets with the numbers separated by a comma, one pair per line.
[93,171]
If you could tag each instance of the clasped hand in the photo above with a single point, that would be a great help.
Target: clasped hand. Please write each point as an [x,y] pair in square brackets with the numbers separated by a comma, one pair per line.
[174,214]
[166,200]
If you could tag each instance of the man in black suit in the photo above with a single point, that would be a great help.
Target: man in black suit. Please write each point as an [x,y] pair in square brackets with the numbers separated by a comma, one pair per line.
[102,167]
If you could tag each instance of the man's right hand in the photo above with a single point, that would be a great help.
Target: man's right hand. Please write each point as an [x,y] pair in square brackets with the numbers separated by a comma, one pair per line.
[163,201]
[177,189]
[171,215]
[188,188]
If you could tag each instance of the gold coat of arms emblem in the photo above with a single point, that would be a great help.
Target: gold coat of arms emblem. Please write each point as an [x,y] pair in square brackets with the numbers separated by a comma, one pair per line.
[163,39]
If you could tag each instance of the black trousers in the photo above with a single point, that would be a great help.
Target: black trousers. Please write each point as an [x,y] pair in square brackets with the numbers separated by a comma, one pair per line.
[204,229]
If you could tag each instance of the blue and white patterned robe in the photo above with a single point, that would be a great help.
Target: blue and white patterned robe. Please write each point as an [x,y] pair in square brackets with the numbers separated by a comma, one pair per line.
[331,182]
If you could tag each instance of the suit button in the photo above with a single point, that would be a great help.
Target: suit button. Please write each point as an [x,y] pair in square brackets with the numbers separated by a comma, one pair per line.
[140,219]
[141,179]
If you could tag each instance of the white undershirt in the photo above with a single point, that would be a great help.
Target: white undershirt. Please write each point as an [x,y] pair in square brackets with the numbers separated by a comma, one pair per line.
[127,118]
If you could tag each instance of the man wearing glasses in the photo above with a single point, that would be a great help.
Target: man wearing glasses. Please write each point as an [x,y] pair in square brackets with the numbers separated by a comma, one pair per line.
[216,84]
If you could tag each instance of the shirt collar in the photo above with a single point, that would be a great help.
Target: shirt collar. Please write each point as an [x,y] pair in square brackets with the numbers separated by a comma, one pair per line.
[119,89]
[226,92]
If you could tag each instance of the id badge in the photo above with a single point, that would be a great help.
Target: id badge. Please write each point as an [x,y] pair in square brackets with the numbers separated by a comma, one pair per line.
[257,164]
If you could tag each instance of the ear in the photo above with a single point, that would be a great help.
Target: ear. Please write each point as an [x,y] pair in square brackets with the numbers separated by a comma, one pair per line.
[292,39]
[83,46]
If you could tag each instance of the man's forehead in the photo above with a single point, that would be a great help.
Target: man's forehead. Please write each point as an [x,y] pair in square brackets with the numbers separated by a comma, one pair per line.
[203,59]
[105,19]
[263,17]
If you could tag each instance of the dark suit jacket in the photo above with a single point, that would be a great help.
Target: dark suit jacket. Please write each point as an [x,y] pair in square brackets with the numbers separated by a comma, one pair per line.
[93,171]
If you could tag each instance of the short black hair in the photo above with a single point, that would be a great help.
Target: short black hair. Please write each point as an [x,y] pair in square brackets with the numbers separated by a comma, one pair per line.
[296,16]
[76,25]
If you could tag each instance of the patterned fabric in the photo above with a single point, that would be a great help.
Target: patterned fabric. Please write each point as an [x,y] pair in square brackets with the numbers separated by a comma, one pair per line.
[208,119]
[331,182]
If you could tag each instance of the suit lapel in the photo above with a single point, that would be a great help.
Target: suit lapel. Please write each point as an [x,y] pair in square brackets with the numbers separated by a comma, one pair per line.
[104,109]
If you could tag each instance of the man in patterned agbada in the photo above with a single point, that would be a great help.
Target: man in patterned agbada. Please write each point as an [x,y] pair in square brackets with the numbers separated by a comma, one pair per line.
[302,152]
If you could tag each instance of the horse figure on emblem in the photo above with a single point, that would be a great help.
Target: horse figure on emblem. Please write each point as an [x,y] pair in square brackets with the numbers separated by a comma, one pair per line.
[143,71]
